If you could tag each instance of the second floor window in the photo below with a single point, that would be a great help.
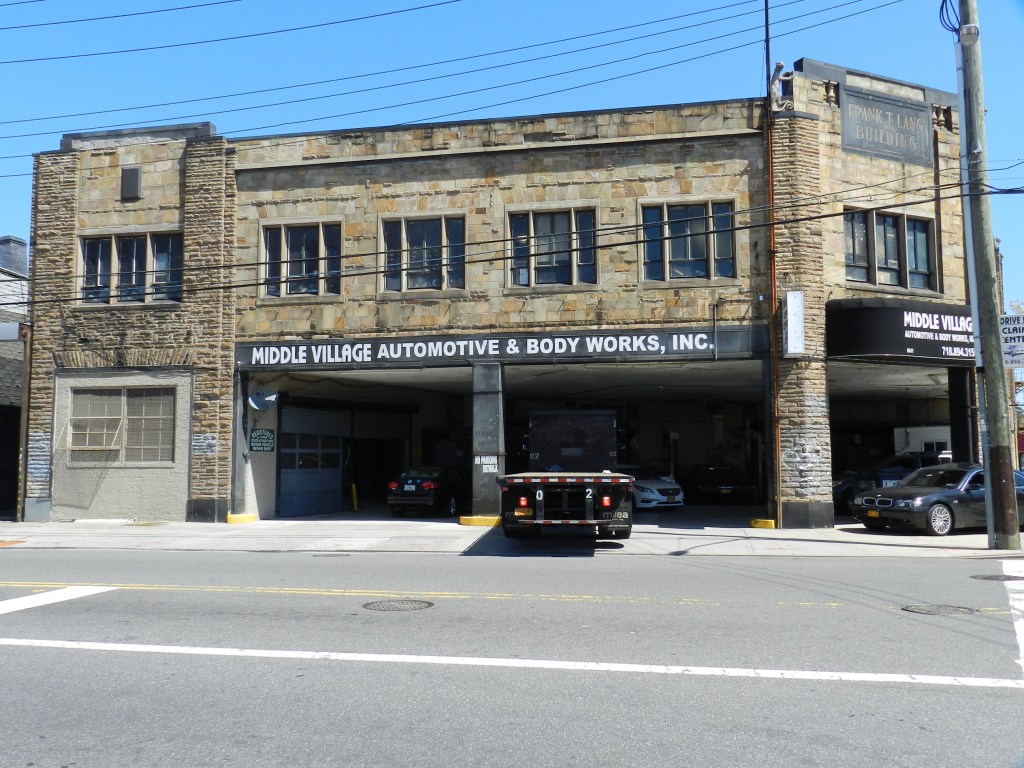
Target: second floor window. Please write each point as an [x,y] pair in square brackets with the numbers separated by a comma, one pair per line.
[425,253]
[553,248]
[302,259]
[888,249]
[688,240]
[132,268]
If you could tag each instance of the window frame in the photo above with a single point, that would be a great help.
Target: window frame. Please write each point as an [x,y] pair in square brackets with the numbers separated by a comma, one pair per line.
[534,261]
[662,234]
[125,433]
[128,268]
[441,265]
[887,250]
[284,275]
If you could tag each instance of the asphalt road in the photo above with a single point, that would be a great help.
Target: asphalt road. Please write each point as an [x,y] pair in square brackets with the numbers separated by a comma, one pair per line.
[178,659]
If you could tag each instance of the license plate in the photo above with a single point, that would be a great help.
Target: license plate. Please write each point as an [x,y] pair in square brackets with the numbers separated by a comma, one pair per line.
[410,487]
[872,513]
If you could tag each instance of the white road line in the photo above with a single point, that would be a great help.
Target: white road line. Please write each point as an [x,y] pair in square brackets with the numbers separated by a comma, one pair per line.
[46,598]
[1015,593]
[575,666]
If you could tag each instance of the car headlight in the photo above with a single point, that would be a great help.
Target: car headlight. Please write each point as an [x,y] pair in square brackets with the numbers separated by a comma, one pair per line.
[858,499]
[642,488]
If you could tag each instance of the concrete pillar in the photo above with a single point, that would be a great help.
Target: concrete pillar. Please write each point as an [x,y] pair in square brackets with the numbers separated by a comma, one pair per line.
[488,436]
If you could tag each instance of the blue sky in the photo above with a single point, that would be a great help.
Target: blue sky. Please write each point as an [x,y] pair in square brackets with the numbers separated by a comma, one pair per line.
[502,59]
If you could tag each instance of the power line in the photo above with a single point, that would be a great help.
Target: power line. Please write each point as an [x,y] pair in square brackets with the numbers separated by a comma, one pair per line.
[117,16]
[473,71]
[228,39]
[396,70]
[498,86]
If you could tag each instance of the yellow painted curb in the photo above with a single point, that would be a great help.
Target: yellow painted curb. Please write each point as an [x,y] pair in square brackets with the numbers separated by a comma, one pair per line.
[762,523]
[249,518]
[479,520]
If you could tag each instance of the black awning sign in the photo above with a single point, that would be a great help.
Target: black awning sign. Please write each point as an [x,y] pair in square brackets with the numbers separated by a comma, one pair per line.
[911,331]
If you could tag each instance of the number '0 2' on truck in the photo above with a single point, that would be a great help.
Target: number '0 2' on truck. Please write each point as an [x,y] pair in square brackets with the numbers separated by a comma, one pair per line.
[571,479]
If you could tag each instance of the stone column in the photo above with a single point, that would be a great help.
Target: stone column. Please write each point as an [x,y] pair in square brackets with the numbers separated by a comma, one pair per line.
[488,437]
[209,300]
[805,448]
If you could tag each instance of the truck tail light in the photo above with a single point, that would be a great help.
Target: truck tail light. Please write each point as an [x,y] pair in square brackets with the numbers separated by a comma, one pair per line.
[524,501]
[606,501]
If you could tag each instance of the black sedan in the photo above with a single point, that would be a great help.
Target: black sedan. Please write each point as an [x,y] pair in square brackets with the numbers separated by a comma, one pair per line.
[936,499]
[428,489]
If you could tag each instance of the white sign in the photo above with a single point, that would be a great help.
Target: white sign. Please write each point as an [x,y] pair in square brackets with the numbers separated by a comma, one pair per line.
[793,325]
[1011,332]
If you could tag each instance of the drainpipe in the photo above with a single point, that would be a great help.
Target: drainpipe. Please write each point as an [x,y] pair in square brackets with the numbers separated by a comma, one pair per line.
[773,322]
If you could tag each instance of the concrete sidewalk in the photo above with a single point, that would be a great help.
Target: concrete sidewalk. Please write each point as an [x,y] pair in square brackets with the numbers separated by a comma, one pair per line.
[653,534]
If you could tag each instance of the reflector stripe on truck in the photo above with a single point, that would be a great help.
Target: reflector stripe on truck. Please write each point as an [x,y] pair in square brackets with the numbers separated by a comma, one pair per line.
[568,479]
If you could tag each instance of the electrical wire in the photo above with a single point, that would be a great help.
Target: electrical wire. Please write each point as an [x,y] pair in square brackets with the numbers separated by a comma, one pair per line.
[232,38]
[117,16]
[500,254]
[396,70]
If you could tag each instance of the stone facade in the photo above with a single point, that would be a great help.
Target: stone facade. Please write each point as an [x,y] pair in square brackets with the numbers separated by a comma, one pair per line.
[223,195]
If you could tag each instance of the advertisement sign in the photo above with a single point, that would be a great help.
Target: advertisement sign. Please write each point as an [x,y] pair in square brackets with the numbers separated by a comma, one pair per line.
[904,330]
[448,350]
[1011,334]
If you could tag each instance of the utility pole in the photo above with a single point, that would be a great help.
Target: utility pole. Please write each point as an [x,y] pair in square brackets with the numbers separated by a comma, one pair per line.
[998,461]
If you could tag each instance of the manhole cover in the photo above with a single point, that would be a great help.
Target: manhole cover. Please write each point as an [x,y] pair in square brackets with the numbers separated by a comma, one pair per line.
[998,577]
[938,610]
[398,605]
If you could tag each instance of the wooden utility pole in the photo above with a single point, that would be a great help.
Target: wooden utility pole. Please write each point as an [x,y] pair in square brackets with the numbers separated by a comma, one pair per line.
[998,458]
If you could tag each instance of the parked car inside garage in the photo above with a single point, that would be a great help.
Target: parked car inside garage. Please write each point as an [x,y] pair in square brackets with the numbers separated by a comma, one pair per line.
[435,490]
[719,483]
[654,487]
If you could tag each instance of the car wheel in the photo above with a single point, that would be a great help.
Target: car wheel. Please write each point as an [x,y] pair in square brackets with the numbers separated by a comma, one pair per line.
[452,507]
[938,520]
[622,534]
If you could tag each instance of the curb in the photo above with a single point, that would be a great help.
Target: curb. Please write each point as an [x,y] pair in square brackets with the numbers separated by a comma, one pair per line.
[489,521]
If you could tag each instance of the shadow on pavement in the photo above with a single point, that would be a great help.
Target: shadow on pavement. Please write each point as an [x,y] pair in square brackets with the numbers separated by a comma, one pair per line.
[551,543]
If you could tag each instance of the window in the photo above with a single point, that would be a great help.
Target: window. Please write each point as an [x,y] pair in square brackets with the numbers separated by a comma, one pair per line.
[305,259]
[688,240]
[122,426]
[898,253]
[425,253]
[141,267]
[309,451]
[553,248]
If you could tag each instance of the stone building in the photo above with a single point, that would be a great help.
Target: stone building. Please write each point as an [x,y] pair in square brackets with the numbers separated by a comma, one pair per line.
[13,306]
[271,326]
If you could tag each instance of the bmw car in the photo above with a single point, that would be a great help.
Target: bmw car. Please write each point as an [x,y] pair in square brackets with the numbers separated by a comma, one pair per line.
[936,499]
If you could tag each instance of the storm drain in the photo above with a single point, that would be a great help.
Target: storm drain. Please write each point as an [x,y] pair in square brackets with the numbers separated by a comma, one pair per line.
[939,610]
[998,577]
[398,605]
